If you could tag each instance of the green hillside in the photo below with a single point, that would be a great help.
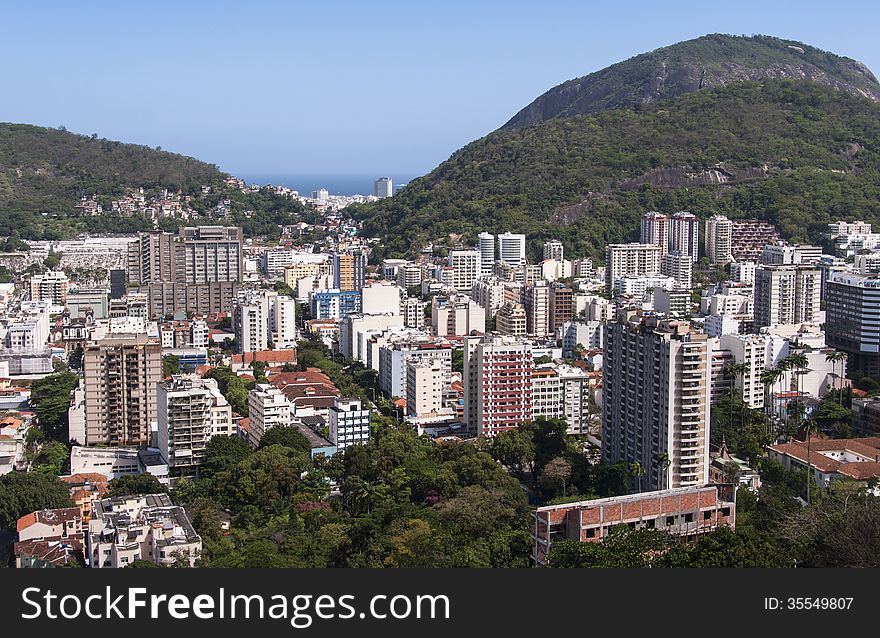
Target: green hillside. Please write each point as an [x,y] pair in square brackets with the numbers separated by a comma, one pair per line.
[796,153]
[44,172]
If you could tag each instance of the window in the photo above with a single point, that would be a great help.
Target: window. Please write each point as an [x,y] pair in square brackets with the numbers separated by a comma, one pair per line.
[670,520]
[707,516]
[689,518]
[591,533]
[725,511]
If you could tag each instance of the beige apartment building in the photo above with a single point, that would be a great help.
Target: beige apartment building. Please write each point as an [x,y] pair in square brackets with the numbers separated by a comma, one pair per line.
[120,377]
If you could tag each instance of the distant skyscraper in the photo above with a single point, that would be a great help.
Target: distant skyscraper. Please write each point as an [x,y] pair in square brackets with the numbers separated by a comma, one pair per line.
[322,194]
[655,230]
[486,246]
[512,249]
[553,249]
[383,187]
[684,234]
[719,239]
[117,283]
[786,295]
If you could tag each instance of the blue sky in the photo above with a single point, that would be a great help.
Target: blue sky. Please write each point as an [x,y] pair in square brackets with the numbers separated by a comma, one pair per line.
[274,88]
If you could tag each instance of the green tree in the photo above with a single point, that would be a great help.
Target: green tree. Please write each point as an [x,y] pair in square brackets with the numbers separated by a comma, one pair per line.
[170,365]
[514,449]
[286,436]
[23,493]
[131,484]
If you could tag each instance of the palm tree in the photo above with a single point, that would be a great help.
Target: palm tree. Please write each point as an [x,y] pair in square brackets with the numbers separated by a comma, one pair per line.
[664,463]
[834,357]
[739,370]
[770,377]
[799,363]
[637,471]
[809,425]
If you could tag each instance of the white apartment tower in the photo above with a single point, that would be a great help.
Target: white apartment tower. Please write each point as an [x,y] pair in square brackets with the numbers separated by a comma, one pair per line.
[349,423]
[786,295]
[718,239]
[466,267]
[486,246]
[512,249]
[190,411]
[684,234]
[655,229]
[631,260]
[383,187]
[424,388]
[553,249]
[680,267]
[267,408]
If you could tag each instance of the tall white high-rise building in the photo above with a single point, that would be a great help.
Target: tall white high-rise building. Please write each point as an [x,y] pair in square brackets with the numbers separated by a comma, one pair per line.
[466,266]
[349,423]
[752,351]
[190,412]
[282,321]
[630,260]
[251,321]
[718,240]
[267,408]
[486,246]
[383,187]
[684,234]
[786,295]
[680,267]
[655,229]
[656,400]
[512,249]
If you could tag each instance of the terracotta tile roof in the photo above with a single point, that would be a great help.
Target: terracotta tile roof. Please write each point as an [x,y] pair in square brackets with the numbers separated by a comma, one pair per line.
[83,478]
[56,552]
[266,356]
[49,517]
[868,447]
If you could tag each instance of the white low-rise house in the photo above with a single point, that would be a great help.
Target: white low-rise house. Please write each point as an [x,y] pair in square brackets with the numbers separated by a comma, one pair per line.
[114,462]
[148,527]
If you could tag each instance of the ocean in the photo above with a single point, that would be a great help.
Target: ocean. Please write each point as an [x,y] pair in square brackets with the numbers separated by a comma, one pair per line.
[335,184]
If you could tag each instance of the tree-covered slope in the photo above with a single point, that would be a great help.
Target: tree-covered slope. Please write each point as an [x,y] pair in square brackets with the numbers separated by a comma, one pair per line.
[48,170]
[795,153]
[703,63]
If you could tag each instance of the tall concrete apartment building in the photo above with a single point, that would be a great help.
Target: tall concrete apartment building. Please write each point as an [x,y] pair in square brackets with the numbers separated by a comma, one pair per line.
[561,306]
[191,411]
[51,286]
[261,316]
[198,269]
[553,249]
[684,234]
[383,187]
[852,319]
[120,377]
[655,230]
[680,267]
[348,423]
[349,271]
[512,249]
[631,260]
[786,295]
[424,388]
[497,383]
[537,305]
[268,408]
[466,265]
[718,239]
[486,246]
[752,351]
[656,400]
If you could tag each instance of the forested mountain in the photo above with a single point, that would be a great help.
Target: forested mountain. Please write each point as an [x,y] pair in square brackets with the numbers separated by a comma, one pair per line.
[794,152]
[703,63]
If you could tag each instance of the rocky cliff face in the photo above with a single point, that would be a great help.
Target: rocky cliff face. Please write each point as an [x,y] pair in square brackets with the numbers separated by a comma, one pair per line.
[707,62]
